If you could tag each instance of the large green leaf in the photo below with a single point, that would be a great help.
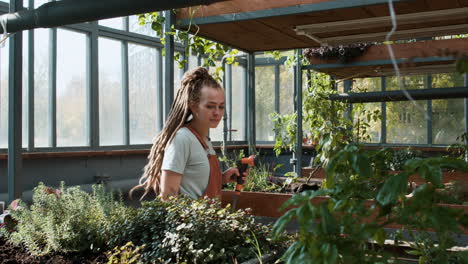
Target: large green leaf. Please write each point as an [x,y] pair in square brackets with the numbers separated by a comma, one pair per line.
[363,166]
[392,188]
[431,174]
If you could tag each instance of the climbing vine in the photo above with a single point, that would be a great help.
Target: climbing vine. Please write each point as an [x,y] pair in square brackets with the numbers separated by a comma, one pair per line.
[211,51]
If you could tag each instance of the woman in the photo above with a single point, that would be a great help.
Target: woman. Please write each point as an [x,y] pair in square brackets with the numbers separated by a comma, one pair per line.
[182,159]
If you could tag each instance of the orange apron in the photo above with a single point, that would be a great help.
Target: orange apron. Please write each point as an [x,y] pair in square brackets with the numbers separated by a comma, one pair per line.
[213,190]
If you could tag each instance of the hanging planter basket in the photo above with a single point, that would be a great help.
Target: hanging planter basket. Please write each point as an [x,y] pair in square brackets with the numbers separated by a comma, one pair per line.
[342,53]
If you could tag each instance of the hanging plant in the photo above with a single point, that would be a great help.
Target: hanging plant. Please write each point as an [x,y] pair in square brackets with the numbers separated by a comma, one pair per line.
[344,53]
[211,51]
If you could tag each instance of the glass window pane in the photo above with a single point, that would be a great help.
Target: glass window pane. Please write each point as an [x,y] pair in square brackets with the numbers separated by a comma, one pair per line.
[371,133]
[447,80]
[362,85]
[448,120]
[41,88]
[135,27]
[193,61]
[38,3]
[411,82]
[117,23]
[111,125]
[4,93]
[142,89]
[238,103]
[406,123]
[72,125]
[264,102]
[4,96]
[286,99]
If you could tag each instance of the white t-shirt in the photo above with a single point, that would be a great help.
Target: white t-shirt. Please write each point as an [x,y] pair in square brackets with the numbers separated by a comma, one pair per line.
[186,155]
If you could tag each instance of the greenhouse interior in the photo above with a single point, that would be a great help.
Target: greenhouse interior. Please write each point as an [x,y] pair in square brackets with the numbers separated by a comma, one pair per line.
[348,119]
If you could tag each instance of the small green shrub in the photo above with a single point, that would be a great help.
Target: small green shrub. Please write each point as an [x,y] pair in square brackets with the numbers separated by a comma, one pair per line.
[258,179]
[182,230]
[66,220]
[127,254]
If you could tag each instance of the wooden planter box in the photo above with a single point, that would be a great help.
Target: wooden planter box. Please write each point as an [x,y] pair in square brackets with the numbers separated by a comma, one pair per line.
[268,204]
[446,176]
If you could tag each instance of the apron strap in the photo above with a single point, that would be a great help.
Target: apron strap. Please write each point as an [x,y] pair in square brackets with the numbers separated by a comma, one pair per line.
[205,146]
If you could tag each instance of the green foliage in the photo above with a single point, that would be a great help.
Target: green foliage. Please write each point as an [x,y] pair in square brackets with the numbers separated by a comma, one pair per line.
[459,149]
[331,232]
[339,229]
[285,129]
[126,254]
[194,231]
[211,51]
[258,179]
[324,121]
[179,230]
[462,65]
[68,220]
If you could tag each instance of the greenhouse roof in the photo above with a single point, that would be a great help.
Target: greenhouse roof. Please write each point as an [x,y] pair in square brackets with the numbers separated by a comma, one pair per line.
[288,24]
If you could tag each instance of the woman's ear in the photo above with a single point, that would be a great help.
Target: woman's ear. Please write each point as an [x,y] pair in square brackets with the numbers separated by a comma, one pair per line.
[193,109]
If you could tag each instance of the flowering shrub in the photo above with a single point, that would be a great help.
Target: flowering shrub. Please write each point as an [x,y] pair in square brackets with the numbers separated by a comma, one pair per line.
[195,231]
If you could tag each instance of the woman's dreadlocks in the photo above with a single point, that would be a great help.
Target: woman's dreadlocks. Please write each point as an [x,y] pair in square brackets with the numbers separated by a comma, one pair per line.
[189,93]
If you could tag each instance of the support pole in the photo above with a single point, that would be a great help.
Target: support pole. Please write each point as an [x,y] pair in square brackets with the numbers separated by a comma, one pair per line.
[169,63]
[298,88]
[383,105]
[429,111]
[93,87]
[15,161]
[348,85]
[251,103]
[225,116]
[466,114]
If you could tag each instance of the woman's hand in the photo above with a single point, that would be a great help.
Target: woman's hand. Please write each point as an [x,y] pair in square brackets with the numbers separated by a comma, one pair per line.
[230,175]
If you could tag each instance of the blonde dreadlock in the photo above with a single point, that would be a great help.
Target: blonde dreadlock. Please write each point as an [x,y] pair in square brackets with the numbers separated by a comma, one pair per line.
[188,93]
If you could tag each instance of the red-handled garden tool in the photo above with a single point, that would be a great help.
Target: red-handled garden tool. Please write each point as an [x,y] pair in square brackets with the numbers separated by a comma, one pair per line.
[242,166]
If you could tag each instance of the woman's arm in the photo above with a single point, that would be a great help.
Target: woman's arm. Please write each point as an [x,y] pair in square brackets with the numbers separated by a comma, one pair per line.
[170,183]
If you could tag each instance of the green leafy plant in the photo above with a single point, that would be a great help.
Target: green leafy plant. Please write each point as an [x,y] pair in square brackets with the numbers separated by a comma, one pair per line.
[340,229]
[196,231]
[126,254]
[258,178]
[460,149]
[66,220]
[323,121]
[211,51]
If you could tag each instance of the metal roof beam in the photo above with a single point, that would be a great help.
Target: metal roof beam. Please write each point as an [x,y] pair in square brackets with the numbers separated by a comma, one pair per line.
[65,12]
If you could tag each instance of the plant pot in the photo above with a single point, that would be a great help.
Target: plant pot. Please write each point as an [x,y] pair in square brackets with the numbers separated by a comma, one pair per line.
[447,176]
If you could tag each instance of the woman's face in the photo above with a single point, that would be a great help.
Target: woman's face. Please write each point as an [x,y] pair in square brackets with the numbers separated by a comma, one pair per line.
[210,109]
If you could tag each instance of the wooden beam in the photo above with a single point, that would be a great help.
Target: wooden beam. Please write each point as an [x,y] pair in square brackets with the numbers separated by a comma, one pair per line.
[398,35]
[385,21]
